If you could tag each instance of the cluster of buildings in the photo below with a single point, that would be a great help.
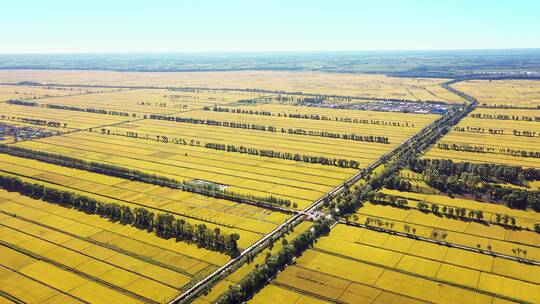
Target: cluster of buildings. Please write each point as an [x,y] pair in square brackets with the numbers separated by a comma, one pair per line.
[18,133]
[389,106]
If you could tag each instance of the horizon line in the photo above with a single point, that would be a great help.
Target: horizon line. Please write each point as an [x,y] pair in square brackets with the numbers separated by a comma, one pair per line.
[270,51]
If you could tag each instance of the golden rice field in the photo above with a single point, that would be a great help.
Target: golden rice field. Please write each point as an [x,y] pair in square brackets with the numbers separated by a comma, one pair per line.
[128,265]
[465,233]
[237,275]
[356,85]
[496,142]
[139,102]
[508,93]
[248,221]
[70,120]
[53,254]
[524,218]
[300,182]
[175,265]
[355,265]
[73,256]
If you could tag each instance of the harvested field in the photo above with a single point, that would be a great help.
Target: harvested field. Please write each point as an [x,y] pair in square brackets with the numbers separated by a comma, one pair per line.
[356,85]
[185,157]
[503,93]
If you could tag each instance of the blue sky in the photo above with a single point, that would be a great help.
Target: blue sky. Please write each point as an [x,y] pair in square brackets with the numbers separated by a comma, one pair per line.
[272,25]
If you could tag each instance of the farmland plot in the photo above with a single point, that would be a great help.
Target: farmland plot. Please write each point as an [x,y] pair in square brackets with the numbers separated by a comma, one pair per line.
[141,102]
[400,269]
[67,120]
[20,92]
[82,257]
[500,136]
[503,93]
[185,155]
[250,222]
[357,85]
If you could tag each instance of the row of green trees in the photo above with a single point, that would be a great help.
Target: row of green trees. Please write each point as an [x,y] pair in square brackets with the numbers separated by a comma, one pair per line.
[387,199]
[348,136]
[258,278]
[485,171]
[69,108]
[338,162]
[137,175]
[465,148]
[311,116]
[480,180]
[448,211]
[484,149]
[257,127]
[453,212]
[22,103]
[238,111]
[41,122]
[526,133]
[163,224]
[88,110]
[470,129]
[395,182]
[519,152]
[505,117]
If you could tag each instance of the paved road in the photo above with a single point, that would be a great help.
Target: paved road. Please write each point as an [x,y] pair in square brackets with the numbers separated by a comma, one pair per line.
[300,215]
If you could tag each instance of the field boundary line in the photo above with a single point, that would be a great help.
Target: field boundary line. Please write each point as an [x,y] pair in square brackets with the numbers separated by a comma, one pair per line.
[412,274]
[353,282]
[307,293]
[500,255]
[417,256]
[293,221]
[169,185]
[108,246]
[138,192]
[12,298]
[209,151]
[88,255]
[442,204]
[43,283]
[448,230]
[117,199]
[50,97]
[190,162]
[77,272]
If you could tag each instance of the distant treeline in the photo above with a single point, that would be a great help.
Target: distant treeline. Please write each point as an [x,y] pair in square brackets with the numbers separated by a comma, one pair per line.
[132,174]
[241,125]
[163,224]
[68,108]
[41,122]
[338,162]
[311,116]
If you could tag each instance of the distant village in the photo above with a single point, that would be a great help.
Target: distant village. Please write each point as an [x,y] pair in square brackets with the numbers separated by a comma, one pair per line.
[19,133]
[388,106]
